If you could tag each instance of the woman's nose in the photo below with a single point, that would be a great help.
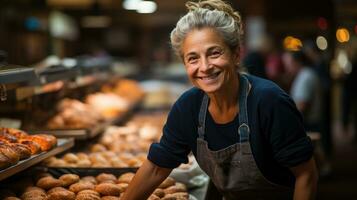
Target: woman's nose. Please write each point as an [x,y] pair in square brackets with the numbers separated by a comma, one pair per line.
[205,64]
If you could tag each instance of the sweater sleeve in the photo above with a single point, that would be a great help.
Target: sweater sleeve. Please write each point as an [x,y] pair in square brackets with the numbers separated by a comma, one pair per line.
[286,134]
[172,150]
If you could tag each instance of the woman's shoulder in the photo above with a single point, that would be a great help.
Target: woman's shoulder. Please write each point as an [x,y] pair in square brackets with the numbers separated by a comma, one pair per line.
[267,95]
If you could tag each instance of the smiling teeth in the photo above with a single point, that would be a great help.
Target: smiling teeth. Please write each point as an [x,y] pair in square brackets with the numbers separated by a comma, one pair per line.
[210,77]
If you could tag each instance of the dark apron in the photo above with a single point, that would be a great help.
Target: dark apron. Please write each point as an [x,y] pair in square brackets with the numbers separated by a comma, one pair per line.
[233,170]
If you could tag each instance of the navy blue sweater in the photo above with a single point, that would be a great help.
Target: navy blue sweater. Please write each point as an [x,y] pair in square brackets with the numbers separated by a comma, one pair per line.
[278,138]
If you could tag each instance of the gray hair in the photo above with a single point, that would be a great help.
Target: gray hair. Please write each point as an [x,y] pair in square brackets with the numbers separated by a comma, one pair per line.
[209,13]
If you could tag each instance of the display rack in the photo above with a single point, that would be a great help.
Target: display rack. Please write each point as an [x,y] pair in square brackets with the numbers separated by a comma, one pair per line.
[16,74]
[62,145]
[84,134]
[58,73]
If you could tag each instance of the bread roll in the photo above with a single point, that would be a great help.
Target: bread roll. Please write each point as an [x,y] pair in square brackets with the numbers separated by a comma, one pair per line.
[123,186]
[62,195]
[69,179]
[87,196]
[70,158]
[82,185]
[8,156]
[92,192]
[22,150]
[104,177]
[48,182]
[167,183]
[178,187]
[159,192]
[177,196]
[89,179]
[108,189]
[126,177]
[34,195]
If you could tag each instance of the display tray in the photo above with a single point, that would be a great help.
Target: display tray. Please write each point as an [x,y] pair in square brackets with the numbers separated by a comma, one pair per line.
[58,171]
[57,73]
[88,133]
[15,74]
[62,145]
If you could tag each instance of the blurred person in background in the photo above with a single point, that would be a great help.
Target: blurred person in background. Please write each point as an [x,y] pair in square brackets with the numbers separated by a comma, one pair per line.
[307,93]
[244,131]
[305,88]
[321,67]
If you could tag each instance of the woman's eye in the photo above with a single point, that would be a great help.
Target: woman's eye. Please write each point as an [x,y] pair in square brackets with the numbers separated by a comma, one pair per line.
[215,54]
[192,60]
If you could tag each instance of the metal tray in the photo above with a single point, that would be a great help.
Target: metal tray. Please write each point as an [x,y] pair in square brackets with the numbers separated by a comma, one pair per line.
[58,171]
[62,145]
[17,74]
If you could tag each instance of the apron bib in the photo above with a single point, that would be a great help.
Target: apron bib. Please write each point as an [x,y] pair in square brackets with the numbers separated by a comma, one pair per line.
[233,170]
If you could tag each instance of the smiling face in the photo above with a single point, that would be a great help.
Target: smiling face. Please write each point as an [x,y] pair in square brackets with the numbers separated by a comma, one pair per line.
[210,64]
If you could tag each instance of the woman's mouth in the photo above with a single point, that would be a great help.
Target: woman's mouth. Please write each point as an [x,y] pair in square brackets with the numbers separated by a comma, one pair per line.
[209,77]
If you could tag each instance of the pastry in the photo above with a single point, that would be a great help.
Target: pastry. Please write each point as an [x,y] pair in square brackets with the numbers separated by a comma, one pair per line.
[89,179]
[108,189]
[22,150]
[167,183]
[8,156]
[48,182]
[82,185]
[62,195]
[104,177]
[126,177]
[159,192]
[176,196]
[34,146]
[70,158]
[123,186]
[34,195]
[69,179]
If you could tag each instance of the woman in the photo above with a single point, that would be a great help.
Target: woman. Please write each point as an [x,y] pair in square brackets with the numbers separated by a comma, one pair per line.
[245,132]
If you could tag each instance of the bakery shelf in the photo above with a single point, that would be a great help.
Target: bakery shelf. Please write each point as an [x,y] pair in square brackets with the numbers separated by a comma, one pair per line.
[16,74]
[88,133]
[62,145]
[58,73]
[58,171]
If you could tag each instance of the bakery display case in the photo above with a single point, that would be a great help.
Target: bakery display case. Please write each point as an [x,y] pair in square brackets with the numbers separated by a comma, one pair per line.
[110,130]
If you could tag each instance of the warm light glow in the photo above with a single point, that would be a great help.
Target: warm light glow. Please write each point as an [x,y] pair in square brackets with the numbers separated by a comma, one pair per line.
[342,35]
[344,62]
[321,42]
[131,4]
[292,43]
[146,7]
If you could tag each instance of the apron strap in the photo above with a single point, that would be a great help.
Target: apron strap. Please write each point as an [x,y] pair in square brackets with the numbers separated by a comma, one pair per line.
[243,129]
[202,117]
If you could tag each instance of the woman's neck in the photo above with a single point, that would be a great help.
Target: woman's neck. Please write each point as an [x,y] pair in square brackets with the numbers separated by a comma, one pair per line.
[223,104]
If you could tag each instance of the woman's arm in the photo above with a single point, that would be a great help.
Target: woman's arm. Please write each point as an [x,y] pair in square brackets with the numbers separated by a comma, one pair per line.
[146,180]
[306,180]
